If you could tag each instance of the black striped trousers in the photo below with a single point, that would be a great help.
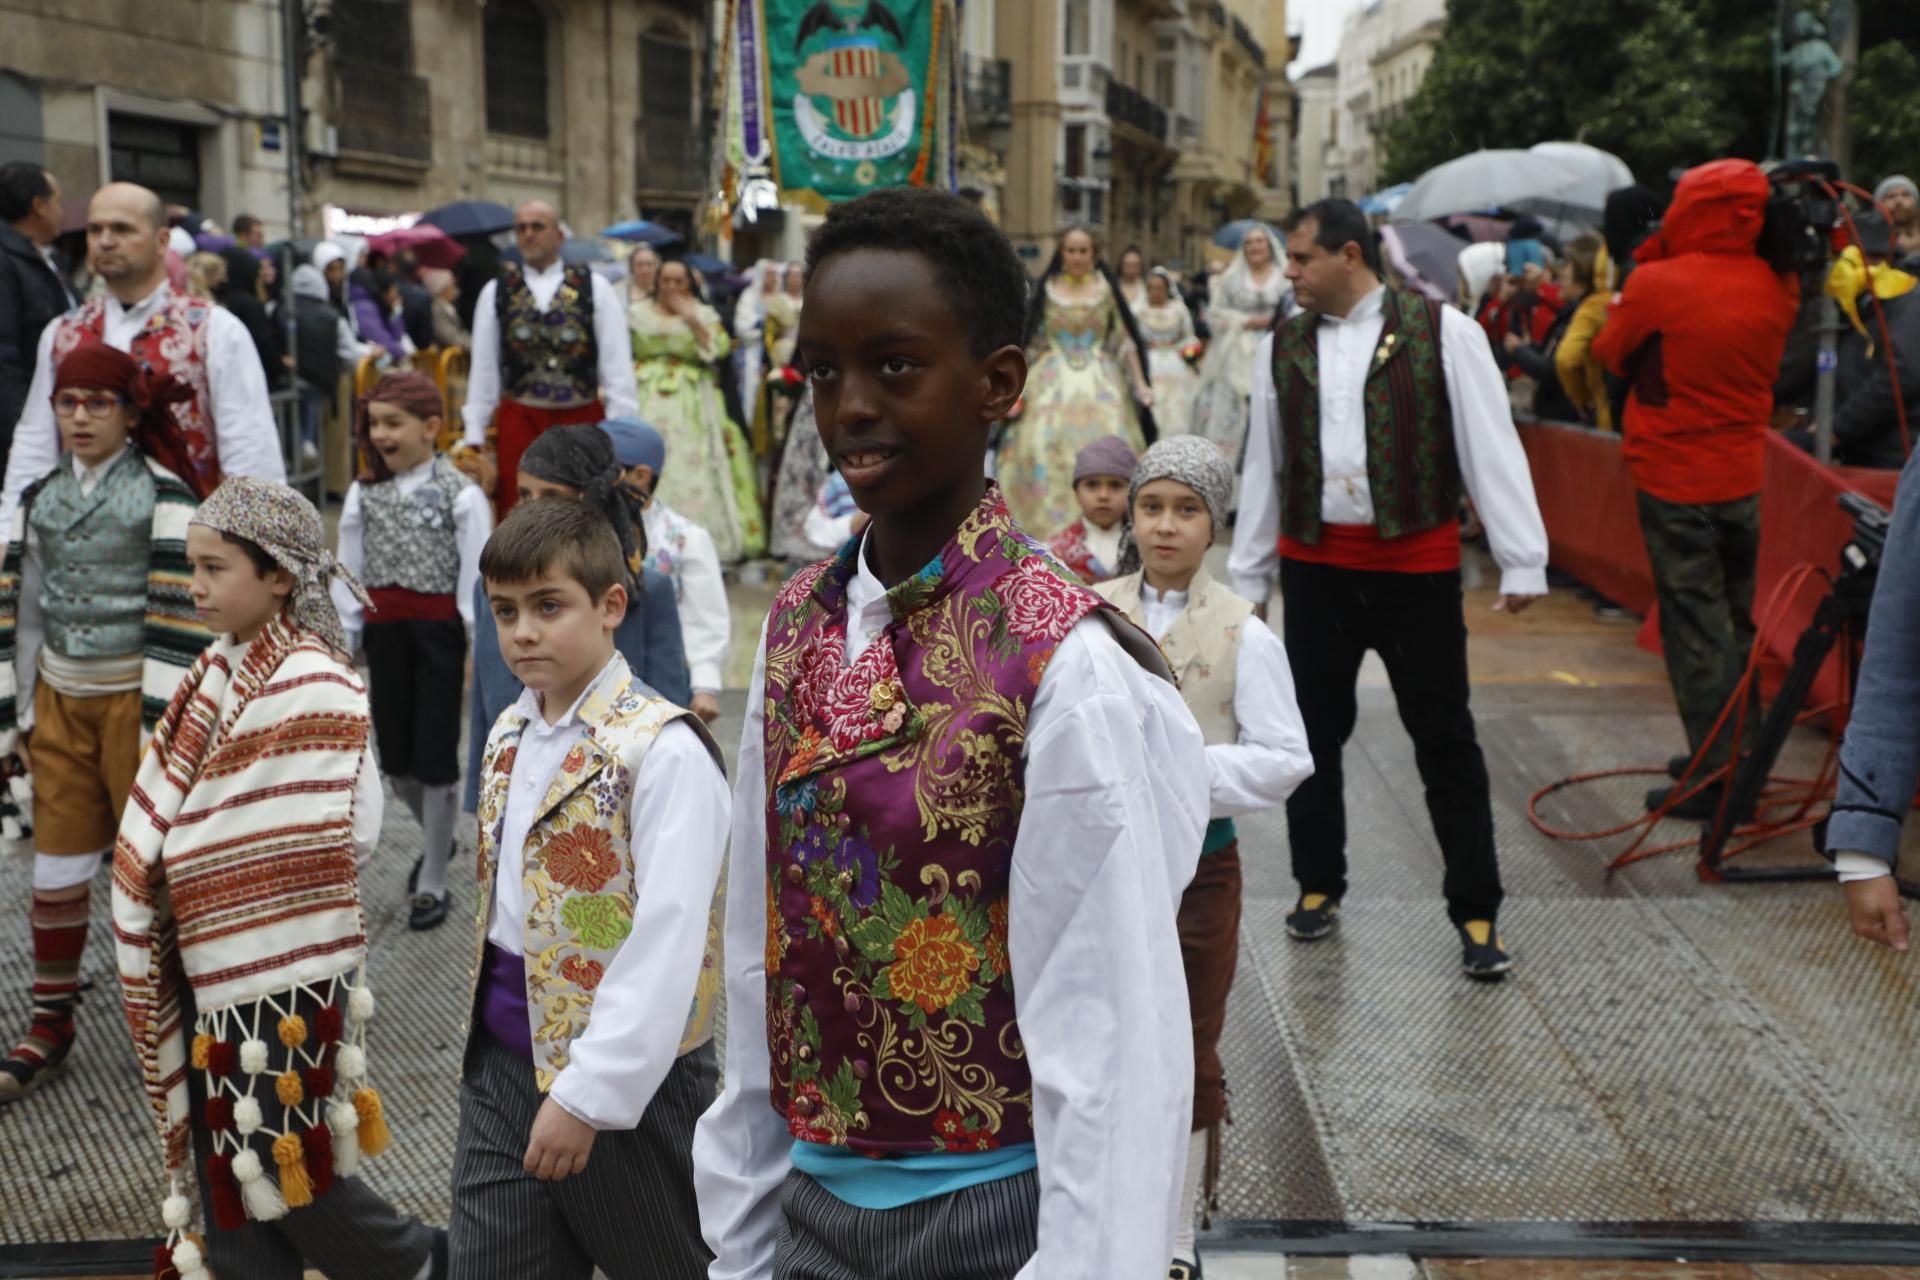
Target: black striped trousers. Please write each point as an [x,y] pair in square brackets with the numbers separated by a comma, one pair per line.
[630,1212]
[986,1232]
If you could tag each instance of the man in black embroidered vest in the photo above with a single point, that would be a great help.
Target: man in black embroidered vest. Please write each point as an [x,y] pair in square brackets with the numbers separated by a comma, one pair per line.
[1372,412]
[550,347]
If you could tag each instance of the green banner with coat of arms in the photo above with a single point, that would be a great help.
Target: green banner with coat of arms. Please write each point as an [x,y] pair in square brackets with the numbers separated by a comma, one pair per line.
[853,94]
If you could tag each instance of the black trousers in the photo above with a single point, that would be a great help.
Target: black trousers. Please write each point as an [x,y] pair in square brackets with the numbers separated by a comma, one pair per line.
[415,671]
[1415,622]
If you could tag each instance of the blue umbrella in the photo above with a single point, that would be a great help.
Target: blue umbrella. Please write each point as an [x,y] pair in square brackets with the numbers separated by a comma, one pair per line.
[1385,201]
[470,218]
[640,231]
[588,249]
[1230,236]
[706,264]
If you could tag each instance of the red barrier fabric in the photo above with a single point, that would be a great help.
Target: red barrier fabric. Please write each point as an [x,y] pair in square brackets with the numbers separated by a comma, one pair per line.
[1593,530]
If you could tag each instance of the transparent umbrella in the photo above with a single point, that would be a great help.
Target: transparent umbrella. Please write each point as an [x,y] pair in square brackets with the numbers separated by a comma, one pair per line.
[1484,180]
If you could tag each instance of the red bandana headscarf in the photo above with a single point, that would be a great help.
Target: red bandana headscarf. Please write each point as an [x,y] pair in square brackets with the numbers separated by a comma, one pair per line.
[156,432]
[411,392]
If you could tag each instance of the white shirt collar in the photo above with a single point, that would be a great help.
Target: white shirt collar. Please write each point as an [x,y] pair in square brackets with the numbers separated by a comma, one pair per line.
[417,470]
[83,473]
[1171,599]
[1368,308]
[146,306]
[548,272]
[529,703]
[867,595]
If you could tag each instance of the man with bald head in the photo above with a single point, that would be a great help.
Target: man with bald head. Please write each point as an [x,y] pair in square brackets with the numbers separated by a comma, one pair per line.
[228,421]
[550,347]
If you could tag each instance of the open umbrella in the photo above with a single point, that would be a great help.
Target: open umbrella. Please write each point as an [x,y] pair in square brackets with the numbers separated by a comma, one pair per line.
[1230,236]
[1484,180]
[586,249]
[470,217]
[1383,202]
[640,231]
[1426,256]
[430,244]
[707,265]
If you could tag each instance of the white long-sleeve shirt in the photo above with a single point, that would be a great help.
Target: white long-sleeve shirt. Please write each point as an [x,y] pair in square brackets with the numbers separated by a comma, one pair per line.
[693,562]
[615,350]
[244,432]
[678,817]
[1271,758]
[472,522]
[1492,463]
[1108,840]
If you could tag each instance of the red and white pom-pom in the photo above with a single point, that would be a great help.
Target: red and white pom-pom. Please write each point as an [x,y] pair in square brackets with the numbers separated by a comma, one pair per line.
[246,1116]
[350,1063]
[257,1191]
[344,1123]
[188,1261]
[253,1056]
[360,1004]
[176,1212]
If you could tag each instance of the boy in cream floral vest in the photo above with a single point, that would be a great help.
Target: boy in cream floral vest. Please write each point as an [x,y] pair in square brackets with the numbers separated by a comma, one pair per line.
[603,819]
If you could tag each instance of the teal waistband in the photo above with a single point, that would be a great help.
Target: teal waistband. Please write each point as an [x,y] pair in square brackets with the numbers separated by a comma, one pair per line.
[1220,834]
[892,1181]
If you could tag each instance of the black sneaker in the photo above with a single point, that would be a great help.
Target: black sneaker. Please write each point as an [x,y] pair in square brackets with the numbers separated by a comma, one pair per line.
[428,911]
[1314,916]
[1677,766]
[1183,1270]
[1484,957]
[1702,806]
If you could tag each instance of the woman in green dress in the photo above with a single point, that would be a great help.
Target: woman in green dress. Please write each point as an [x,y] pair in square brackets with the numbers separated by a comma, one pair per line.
[709,473]
[1086,381]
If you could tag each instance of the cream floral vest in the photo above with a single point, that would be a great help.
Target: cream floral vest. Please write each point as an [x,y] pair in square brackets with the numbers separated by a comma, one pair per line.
[1202,646]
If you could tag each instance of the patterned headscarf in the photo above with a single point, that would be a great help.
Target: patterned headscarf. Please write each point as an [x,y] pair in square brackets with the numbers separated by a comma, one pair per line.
[1195,462]
[285,525]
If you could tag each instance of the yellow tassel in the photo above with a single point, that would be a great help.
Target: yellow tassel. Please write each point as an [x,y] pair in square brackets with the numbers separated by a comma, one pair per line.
[293,1031]
[287,1087]
[374,1137]
[296,1186]
[202,1050]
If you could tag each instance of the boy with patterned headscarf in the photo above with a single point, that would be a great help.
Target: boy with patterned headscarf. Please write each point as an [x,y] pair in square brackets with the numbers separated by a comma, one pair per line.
[237,920]
[95,621]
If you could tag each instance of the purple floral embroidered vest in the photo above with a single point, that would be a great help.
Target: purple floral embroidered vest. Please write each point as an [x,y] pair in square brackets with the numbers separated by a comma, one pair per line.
[548,357]
[895,789]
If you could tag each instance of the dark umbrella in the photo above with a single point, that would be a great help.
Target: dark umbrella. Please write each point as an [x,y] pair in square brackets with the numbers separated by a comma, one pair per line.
[706,264]
[470,217]
[640,231]
[589,249]
[1425,254]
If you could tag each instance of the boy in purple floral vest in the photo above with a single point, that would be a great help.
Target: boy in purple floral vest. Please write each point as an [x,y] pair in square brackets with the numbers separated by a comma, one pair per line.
[969,800]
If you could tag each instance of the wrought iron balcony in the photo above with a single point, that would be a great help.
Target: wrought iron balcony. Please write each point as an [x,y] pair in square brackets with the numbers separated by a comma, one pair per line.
[383,112]
[1243,35]
[988,85]
[669,155]
[1131,107]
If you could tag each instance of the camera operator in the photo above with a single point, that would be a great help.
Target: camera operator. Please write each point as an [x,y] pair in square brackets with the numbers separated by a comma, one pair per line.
[1881,755]
[1698,332]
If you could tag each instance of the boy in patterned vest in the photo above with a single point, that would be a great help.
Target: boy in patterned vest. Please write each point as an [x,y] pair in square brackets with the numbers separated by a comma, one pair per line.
[1090,546]
[684,551]
[411,531]
[1233,674]
[969,799]
[96,621]
[603,826]
[1373,412]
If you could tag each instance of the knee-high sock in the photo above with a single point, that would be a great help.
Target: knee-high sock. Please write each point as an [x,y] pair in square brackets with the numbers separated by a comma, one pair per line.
[59,922]
[1183,1245]
[440,806]
[410,792]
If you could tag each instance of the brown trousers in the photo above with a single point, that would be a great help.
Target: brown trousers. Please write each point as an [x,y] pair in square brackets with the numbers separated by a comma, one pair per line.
[86,752]
[1209,924]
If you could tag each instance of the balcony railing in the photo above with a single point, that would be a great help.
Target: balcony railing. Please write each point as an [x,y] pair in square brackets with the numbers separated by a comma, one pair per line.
[669,155]
[384,112]
[989,90]
[1244,37]
[1129,106]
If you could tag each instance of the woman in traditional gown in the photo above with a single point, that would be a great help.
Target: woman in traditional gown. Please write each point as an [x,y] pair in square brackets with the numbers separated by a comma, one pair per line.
[1133,277]
[1240,306]
[643,267]
[1085,381]
[677,340]
[1167,326]
[802,472]
[749,329]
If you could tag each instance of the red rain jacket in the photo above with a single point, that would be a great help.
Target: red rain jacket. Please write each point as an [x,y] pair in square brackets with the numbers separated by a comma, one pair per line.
[1699,331]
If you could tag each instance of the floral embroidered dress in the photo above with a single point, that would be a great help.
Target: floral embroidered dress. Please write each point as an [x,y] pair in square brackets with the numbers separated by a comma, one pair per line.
[895,791]
[1167,329]
[1077,392]
[803,471]
[1226,374]
[709,472]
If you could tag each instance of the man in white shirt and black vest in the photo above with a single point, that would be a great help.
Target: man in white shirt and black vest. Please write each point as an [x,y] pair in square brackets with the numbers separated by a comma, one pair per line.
[1372,413]
[550,347]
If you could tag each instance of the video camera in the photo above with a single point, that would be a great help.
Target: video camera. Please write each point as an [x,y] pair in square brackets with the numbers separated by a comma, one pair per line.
[1869,542]
[1802,207]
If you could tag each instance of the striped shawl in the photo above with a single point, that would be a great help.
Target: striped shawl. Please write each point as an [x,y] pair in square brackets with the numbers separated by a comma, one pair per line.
[174,634]
[242,812]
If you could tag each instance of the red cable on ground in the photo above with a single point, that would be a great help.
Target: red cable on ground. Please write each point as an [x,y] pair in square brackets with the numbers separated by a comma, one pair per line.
[1791,799]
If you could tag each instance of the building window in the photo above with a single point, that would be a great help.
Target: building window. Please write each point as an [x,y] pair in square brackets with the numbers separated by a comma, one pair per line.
[375,33]
[666,78]
[516,68]
[671,152]
[1079,34]
[1076,164]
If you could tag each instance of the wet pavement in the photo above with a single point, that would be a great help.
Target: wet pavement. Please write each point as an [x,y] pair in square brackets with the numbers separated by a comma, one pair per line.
[1669,1053]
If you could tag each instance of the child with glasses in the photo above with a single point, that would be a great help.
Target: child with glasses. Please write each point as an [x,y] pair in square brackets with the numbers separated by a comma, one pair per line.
[96,631]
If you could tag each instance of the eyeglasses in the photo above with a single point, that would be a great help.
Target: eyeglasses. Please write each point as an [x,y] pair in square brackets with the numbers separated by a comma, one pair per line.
[97,406]
[531,228]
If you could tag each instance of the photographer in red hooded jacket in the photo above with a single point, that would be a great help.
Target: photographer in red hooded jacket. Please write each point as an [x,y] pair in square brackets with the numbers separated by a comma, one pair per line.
[1698,332]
